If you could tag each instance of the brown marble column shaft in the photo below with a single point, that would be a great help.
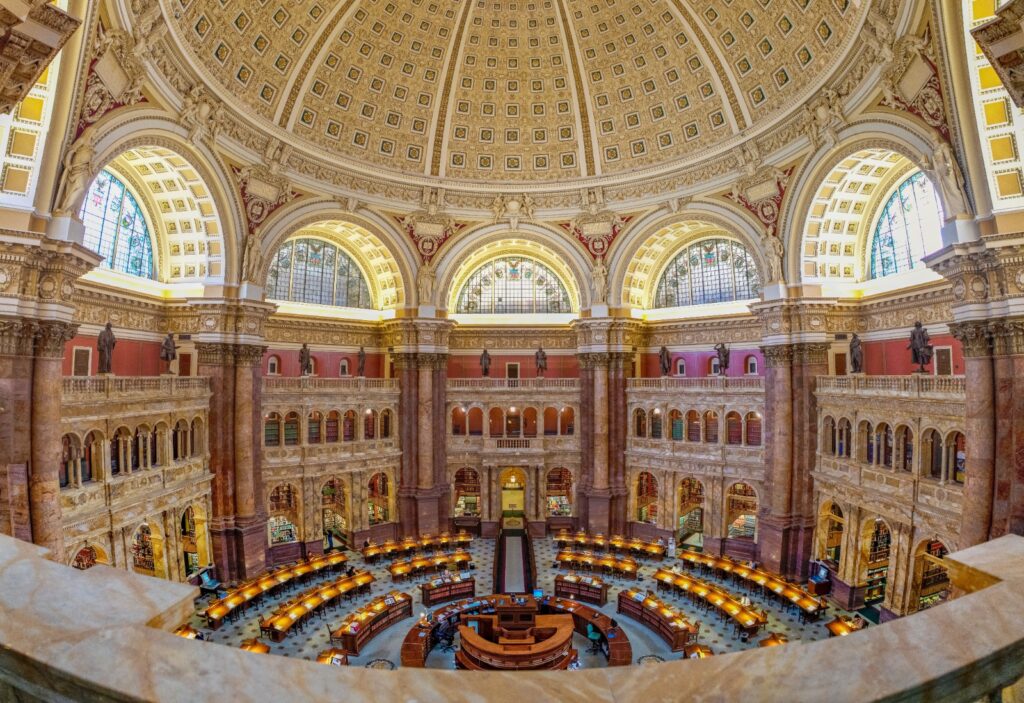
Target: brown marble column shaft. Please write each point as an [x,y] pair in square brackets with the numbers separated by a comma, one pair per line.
[979,428]
[618,424]
[775,503]
[44,471]
[250,516]
[601,476]
[425,426]
[17,341]
[216,362]
[408,392]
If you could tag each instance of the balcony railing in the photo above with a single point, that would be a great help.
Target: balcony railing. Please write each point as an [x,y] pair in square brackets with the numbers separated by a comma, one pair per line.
[912,386]
[705,383]
[568,384]
[117,386]
[313,383]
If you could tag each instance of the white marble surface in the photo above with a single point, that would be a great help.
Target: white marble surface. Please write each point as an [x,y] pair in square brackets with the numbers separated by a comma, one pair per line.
[75,635]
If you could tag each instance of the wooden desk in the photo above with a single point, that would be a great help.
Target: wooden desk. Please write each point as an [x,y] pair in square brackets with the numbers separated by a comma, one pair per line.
[615,543]
[746,619]
[297,609]
[547,645]
[333,657]
[409,545]
[439,590]
[614,641]
[773,640]
[697,651]
[250,591]
[585,588]
[403,568]
[376,616]
[625,566]
[668,622]
[255,646]
[840,627]
[786,591]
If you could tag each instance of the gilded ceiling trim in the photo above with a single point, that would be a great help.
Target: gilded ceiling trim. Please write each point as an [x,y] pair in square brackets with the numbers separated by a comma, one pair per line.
[302,76]
[446,92]
[581,103]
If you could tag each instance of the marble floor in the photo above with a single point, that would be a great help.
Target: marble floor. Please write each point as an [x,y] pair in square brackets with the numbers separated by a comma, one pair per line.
[384,650]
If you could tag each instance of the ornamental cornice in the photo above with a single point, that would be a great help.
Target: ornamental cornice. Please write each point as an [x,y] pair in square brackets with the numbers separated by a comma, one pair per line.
[472,338]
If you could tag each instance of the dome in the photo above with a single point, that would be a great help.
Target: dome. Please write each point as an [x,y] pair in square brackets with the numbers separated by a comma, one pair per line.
[498,92]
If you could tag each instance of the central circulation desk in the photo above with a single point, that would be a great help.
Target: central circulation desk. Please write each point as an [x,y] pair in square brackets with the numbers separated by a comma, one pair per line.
[585,588]
[659,616]
[376,616]
[422,638]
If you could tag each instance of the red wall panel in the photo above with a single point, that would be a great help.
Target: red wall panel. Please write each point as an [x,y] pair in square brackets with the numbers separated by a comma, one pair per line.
[131,357]
[891,357]
[468,366]
[327,363]
[698,363]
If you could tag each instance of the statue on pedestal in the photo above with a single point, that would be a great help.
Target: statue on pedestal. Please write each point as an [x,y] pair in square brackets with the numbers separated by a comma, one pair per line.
[723,358]
[856,354]
[305,360]
[105,344]
[361,363]
[485,363]
[665,360]
[168,350]
[920,347]
[541,359]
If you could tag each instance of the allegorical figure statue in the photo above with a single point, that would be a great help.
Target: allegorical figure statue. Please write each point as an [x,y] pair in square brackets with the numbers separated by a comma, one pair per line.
[105,344]
[856,354]
[168,350]
[723,357]
[305,360]
[361,362]
[485,363]
[541,359]
[665,361]
[920,347]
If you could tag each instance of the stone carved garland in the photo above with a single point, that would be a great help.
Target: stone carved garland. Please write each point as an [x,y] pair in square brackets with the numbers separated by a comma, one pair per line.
[762,198]
[912,53]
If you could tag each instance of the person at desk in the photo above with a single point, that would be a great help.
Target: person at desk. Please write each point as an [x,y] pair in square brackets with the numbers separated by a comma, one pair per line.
[857,622]
[745,601]
[350,571]
[366,544]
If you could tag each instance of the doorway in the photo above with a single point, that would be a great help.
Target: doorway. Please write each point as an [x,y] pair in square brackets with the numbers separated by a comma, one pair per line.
[513,491]
[512,374]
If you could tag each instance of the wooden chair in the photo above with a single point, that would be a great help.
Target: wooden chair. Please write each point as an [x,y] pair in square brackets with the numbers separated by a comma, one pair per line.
[265,628]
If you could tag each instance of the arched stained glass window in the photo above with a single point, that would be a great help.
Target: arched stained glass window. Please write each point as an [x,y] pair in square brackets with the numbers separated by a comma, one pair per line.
[115,228]
[908,228]
[709,271]
[511,285]
[318,272]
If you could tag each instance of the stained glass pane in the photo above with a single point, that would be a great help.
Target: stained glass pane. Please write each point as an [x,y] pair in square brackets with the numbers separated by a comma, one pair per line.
[115,228]
[708,271]
[513,285]
[314,271]
[908,229]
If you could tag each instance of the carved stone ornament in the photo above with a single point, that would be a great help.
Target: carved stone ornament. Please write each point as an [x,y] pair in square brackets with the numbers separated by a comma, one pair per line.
[263,192]
[1002,41]
[596,227]
[430,227]
[31,35]
[911,83]
[203,116]
[761,196]
[114,79]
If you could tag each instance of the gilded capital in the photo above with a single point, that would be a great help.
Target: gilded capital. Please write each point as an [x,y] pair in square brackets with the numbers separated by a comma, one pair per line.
[975,336]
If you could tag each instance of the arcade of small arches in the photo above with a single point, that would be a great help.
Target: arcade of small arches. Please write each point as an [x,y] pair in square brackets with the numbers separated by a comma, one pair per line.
[512,421]
[293,428]
[708,427]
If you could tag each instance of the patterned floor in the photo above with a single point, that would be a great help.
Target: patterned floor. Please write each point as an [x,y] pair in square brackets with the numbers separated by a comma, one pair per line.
[386,646]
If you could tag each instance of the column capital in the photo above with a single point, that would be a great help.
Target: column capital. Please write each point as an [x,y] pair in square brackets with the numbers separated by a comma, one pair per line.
[51,336]
[975,336]
[249,354]
[1007,336]
[593,360]
[17,337]
[779,355]
[214,353]
[423,335]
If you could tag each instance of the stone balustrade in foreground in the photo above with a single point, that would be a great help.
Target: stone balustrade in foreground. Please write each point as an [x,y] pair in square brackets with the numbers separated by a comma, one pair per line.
[103,634]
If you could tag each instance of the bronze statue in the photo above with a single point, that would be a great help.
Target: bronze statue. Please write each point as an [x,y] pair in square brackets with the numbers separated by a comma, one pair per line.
[723,358]
[485,363]
[305,361]
[105,344]
[920,347]
[665,359]
[361,362]
[541,359]
[856,354]
[168,350]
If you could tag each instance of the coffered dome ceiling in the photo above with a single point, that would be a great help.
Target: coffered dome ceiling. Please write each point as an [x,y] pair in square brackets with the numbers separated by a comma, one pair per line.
[496,91]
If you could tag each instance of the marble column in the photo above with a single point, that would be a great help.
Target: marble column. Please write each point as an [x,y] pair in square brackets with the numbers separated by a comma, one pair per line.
[599,495]
[17,339]
[774,506]
[44,476]
[426,500]
[976,520]
[216,362]
[250,516]
[408,393]
[617,429]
